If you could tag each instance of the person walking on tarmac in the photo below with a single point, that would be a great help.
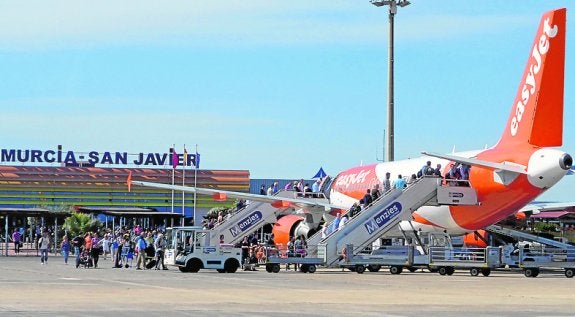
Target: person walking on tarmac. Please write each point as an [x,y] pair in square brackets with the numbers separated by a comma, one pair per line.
[160,245]
[45,245]
[78,242]
[16,239]
[141,245]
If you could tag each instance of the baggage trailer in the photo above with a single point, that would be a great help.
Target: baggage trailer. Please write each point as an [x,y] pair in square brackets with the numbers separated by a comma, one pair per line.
[307,265]
[533,259]
[476,260]
[438,259]
[396,257]
[275,256]
[412,257]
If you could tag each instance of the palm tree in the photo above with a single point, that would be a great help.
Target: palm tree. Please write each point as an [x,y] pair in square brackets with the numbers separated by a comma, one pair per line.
[78,223]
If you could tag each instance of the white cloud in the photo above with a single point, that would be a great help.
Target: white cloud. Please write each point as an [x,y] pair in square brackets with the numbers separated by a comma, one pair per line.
[101,122]
[453,26]
[39,24]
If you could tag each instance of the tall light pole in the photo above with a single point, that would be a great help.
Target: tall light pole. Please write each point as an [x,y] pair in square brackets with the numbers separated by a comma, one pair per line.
[392,11]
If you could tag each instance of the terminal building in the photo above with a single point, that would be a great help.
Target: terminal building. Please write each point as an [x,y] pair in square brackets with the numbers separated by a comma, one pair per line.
[41,189]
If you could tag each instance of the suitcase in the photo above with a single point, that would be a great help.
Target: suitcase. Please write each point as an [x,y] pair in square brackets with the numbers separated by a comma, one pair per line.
[151,264]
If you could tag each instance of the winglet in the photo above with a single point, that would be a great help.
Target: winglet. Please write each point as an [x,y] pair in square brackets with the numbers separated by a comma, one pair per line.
[129,181]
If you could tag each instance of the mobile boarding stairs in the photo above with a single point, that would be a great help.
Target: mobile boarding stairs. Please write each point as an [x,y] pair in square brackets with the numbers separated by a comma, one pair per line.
[382,216]
[549,254]
[252,217]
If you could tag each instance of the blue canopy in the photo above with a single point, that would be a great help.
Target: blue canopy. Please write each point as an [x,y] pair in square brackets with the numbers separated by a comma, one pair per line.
[320,173]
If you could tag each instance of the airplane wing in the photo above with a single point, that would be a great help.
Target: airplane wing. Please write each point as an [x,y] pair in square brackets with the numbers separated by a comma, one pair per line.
[505,166]
[223,194]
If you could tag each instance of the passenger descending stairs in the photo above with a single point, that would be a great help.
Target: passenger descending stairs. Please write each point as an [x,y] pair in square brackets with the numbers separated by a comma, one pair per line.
[382,216]
[528,237]
[249,219]
[314,241]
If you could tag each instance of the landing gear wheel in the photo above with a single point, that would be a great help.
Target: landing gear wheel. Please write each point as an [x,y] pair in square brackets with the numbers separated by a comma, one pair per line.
[360,269]
[569,273]
[303,268]
[374,268]
[269,268]
[311,268]
[531,272]
[474,271]
[449,270]
[395,269]
[276,268]
[442,270]
[486,271]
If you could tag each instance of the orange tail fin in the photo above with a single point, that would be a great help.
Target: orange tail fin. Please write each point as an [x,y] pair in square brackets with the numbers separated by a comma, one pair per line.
[537,114]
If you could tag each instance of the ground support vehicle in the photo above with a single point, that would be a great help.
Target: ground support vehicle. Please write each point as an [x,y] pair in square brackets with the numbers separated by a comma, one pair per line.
[378,219]
[395,257]
[275,256]
[191,250]
[306,264]
[534,259]
[436,259]
[476,260]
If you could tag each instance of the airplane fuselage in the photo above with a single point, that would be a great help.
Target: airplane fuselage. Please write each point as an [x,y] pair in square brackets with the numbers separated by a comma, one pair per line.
[499,193]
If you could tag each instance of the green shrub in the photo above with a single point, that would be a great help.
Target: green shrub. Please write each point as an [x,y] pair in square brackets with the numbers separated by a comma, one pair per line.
[79,223]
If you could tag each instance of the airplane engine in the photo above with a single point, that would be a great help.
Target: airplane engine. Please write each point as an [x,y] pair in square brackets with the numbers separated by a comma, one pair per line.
[293,226]
[285,227]
[544,172]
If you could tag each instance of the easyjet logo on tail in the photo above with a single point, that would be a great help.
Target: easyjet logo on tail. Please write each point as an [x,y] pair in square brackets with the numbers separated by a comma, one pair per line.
[539,50]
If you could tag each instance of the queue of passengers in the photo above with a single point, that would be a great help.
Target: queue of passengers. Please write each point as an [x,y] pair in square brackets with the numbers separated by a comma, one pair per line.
[459,172]
[296,247]
[254,253]
[211,222]
[122,245]
[298,186]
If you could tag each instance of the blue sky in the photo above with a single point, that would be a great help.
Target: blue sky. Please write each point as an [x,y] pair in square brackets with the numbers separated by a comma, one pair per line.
[278,88]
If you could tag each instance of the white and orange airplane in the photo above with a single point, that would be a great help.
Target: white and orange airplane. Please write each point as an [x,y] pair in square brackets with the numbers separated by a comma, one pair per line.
[520,167]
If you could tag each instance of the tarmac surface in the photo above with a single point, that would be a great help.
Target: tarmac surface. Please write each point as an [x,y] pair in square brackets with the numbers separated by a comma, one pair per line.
[28,288]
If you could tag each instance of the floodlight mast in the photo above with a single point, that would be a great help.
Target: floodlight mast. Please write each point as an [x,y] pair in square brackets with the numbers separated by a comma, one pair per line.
[390,104]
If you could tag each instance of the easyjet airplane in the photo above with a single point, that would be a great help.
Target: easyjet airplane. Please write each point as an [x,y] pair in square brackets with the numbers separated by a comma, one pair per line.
[521,166]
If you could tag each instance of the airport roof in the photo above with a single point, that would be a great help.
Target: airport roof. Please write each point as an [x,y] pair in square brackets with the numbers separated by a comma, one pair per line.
[29,212]
[552,214]
[128,211]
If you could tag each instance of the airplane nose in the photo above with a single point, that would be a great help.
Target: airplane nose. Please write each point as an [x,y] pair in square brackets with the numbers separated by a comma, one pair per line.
[566,161]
